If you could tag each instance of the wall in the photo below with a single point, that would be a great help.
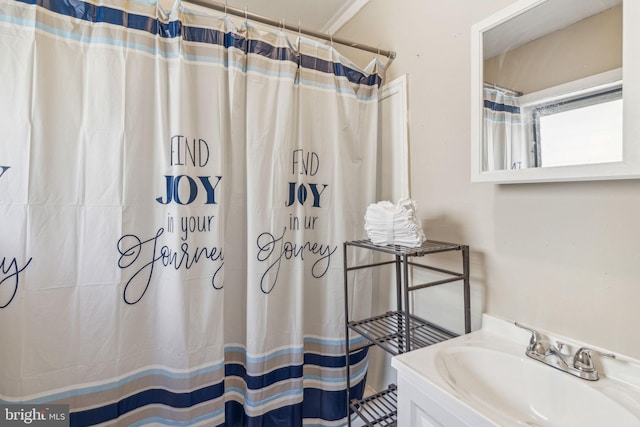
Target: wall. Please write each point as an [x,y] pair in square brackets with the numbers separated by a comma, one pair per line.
[562,257]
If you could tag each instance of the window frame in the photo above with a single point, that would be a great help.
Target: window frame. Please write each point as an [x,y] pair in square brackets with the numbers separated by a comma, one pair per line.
[593,90]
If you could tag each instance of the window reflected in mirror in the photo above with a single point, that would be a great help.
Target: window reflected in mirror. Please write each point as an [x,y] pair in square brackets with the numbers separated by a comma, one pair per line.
[553,99]
[578,131]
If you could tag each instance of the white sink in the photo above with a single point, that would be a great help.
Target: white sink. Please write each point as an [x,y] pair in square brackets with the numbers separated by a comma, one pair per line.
[485,379]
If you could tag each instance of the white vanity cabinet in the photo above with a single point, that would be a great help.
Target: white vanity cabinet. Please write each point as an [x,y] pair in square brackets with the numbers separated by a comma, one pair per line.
[422,404]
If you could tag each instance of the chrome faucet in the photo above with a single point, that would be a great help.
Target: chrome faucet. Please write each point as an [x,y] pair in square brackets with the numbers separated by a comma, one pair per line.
[580,364]
[535,344]
[582,360]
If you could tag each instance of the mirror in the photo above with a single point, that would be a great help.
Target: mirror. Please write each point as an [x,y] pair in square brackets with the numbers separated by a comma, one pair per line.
[547,92]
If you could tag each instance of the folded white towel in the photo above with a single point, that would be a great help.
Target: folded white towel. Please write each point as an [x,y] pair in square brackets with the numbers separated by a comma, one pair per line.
[389,224]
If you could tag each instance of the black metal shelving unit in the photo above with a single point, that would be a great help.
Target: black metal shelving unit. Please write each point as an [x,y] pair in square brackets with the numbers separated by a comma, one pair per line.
[378,409]
[398,331]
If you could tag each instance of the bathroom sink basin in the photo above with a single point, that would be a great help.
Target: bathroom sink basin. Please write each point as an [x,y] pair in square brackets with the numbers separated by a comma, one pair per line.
[515,390]
[485,379]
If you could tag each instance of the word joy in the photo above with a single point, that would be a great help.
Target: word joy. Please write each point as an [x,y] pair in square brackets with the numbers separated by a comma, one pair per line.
[300,193]
[186,193]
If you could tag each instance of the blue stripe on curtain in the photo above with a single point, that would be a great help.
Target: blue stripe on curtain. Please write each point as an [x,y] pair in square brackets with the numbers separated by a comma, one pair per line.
[147,397]
[333,361]
[104,14]
[327,405]
[496,106]
[262,381]
[287,416]
[211,36]
[339,70]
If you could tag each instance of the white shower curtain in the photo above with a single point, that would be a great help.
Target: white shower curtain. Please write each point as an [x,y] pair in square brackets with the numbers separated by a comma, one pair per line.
[504,142]
[175,189]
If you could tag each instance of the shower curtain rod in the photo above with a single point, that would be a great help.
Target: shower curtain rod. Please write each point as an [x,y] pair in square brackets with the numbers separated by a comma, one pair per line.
[264,20]
[502,88]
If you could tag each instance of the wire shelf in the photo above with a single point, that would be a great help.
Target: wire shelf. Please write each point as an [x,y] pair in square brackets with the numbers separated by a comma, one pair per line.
[428,247]
[398,331]
[389,332]
[379,409]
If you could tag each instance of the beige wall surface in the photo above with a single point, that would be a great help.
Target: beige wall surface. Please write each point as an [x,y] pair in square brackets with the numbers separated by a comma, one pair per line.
[563,257]
[588,47]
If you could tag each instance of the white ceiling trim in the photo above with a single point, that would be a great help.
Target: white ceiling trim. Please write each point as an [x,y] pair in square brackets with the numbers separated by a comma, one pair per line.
[343,15]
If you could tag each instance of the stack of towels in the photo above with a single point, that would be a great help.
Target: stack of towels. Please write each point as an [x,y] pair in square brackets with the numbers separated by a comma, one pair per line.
[389,224]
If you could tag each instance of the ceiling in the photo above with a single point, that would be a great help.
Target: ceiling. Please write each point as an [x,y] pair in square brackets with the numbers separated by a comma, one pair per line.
[537,21]
[325,16]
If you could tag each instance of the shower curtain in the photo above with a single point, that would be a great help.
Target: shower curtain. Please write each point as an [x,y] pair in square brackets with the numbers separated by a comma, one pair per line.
[175,190]
[503,139]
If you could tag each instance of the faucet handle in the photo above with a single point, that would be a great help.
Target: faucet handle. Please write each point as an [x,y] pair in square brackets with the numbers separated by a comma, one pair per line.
[535,345]
[582,359]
